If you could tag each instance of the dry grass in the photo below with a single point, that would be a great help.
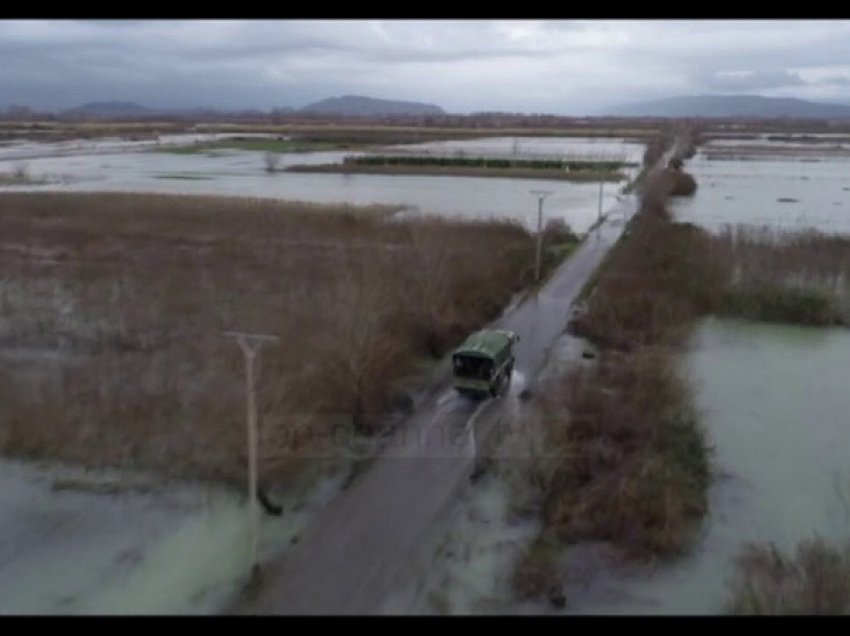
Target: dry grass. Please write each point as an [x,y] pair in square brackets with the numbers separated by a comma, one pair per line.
[536,573]
[625,460]
[656,282]
[815,580]
[629,463]
[112,310]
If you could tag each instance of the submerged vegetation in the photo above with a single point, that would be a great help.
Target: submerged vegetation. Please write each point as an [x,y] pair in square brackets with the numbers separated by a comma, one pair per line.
[114,306]
[800,277]
[657,281]
[13,179]
[629,461]
[20,176]
[814,580]
[626,460]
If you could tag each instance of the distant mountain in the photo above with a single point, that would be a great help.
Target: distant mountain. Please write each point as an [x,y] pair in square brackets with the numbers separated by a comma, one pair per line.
[733,106]
[349,105]
[131,110]
[110,109]
[357,106]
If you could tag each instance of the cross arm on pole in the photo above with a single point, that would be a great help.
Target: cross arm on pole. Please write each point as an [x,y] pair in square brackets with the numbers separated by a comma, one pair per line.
[250,344]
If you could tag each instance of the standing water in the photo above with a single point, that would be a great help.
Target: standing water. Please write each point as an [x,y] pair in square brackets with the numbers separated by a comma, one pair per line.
[774,402]
[774,406]
[243,173]
[108,546]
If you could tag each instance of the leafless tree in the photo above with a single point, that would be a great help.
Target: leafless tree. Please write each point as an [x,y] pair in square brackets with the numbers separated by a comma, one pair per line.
[272,160]
[19,171]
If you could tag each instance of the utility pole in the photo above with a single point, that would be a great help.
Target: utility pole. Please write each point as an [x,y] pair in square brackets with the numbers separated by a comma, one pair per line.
[599,214]
[250,343]
[540,194]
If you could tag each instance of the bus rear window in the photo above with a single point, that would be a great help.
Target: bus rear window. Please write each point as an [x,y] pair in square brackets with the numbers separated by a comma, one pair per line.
[473,367]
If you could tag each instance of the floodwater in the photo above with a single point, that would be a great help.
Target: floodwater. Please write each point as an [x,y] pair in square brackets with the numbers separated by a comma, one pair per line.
[22,150]
[151,549]
[774,403]
[184,549]
[242,173]
[772,189]
[373,567]
[577,148]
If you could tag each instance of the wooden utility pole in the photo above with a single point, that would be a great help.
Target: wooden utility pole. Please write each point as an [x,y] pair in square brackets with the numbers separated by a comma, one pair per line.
[599,214]
[540,194]
[250,343]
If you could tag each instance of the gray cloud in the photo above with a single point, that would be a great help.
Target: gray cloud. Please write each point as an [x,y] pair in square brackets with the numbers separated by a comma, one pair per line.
[843,80]
[534,66]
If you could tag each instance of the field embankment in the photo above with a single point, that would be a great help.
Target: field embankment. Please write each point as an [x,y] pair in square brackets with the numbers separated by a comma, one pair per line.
[474,167]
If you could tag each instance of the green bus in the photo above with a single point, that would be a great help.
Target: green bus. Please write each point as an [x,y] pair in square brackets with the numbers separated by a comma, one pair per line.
[483,364]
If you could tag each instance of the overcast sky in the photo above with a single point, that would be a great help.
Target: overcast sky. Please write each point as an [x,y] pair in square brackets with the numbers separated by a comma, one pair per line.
[567,67]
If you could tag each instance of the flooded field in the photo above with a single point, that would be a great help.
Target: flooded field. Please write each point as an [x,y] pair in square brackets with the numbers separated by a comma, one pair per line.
[774,403]
[23,150]
[774,187]
[773,399]
[577,148]
[243,173]
[74,542]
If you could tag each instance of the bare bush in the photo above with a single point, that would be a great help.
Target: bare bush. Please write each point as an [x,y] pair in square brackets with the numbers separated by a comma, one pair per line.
[815,580]
[801,277]
[557,230]
[112,308]
[20,171]
[628,462]
[536,573]
[272,161]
